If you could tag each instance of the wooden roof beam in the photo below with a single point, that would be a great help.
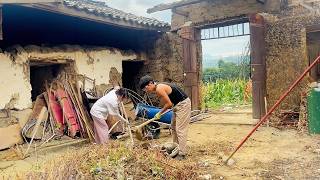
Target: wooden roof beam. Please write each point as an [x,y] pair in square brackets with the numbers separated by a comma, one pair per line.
[162,7]
[27,1]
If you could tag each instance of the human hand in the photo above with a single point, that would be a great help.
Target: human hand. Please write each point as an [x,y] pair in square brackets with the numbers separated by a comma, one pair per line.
[158,115]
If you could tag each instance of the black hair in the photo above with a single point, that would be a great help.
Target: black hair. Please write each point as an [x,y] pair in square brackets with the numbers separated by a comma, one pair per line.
[145,80]
[122,92]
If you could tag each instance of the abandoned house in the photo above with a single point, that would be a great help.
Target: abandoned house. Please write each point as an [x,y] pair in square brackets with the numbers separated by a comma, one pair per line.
[40,41]
[284,38]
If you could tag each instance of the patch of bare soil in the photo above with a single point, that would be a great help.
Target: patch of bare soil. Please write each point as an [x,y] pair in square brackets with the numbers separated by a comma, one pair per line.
[269,154]
[291,169]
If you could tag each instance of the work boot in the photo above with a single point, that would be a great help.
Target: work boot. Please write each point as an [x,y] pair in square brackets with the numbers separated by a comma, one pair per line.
[180,157]
[170,149]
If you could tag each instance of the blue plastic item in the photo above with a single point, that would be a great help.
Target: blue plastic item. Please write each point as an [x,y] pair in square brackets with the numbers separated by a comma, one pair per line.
[146,111]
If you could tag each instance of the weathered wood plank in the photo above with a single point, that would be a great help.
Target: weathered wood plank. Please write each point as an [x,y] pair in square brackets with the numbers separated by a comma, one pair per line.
[258,64]
[162,7]
[191,81]
[270,4]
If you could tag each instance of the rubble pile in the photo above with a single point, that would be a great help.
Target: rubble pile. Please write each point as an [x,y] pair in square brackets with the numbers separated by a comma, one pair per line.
[63,109]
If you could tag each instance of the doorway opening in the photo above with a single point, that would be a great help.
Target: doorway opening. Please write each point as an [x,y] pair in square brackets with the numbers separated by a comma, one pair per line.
[42,73]
[130,70]
[313,45]
[226,65]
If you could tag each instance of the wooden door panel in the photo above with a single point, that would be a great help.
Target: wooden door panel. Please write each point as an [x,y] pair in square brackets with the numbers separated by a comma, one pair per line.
[258,65]
[191,71]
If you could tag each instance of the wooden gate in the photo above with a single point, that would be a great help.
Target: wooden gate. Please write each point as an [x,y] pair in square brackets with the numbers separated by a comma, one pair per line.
[258,65]
[313,45]
[191,70]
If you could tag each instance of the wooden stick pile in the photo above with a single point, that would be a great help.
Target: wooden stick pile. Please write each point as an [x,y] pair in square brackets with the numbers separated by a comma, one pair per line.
[60,110]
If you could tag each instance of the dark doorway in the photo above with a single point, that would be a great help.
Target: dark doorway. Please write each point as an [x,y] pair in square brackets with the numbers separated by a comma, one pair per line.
[40,74]
[130,70]
[313,45]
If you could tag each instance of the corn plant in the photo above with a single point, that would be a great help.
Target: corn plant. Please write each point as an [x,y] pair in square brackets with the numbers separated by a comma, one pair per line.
[225,91]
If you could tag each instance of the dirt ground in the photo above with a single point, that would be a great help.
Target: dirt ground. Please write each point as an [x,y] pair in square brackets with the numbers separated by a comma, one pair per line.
[269,154]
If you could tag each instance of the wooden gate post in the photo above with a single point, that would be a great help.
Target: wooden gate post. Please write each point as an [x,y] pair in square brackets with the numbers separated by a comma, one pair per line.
[190,64]
[258,64]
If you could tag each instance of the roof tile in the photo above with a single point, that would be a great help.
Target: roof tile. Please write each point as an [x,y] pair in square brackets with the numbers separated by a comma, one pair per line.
[101,8]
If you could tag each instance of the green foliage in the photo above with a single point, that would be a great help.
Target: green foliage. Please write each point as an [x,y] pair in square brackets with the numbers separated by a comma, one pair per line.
[228,70]
[223,92]
[226,84]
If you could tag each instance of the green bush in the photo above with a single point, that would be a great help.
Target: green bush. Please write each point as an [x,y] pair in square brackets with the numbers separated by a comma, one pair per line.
[227,70]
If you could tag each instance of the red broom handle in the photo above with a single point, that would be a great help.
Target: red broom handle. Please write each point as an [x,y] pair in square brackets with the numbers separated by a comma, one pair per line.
[264,118]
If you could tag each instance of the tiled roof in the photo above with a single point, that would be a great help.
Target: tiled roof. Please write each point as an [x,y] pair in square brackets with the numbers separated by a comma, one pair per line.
[101,9]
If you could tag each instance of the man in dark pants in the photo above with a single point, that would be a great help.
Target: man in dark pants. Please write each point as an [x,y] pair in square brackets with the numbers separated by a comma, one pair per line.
[172,97]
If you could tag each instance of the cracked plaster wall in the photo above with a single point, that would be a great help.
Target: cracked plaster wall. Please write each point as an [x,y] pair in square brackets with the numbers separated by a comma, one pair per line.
[95,63]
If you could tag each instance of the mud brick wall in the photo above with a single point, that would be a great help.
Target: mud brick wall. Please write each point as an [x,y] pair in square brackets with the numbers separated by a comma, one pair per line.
[210,11]
[287,55]
[165,61]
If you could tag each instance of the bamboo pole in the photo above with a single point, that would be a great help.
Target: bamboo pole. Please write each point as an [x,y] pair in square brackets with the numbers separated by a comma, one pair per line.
[85,120]
[128,123]
[265,117]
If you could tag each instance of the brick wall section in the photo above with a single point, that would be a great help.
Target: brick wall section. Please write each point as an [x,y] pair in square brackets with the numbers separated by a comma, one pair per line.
[165,61]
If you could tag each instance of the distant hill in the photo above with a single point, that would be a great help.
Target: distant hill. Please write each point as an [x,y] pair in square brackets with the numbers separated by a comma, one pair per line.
[210,61]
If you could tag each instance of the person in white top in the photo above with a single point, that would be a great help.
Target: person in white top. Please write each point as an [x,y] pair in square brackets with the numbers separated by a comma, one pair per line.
[106,108]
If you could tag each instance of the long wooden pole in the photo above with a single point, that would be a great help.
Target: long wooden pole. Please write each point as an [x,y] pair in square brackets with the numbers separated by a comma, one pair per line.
[128,123]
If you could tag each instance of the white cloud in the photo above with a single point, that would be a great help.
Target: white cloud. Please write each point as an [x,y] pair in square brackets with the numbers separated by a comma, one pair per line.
[225,47]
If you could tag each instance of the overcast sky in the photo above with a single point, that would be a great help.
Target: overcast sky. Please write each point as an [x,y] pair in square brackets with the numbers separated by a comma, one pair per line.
[139,7]
[219,47]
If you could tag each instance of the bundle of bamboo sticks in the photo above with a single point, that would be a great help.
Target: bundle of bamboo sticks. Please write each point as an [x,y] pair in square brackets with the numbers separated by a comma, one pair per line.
[83,116]
[63,101]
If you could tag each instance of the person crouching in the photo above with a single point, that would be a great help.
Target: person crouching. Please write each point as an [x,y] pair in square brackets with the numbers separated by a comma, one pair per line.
[106,109]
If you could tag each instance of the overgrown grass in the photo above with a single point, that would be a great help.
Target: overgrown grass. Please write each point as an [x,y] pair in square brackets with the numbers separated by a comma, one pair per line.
[114,161]
[225,92]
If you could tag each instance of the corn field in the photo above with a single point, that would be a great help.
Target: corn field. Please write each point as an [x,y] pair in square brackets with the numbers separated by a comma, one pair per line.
[226,92]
